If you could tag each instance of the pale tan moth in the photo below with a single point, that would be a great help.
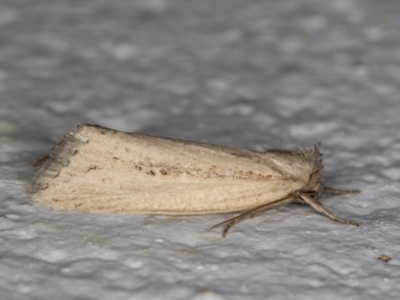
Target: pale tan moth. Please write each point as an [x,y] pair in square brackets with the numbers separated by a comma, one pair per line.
[96,169]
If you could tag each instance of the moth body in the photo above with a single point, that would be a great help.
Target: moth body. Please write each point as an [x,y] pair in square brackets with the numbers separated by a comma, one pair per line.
[97,169]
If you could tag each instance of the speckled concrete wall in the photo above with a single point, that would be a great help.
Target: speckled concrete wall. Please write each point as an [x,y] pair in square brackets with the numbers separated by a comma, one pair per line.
[249,74]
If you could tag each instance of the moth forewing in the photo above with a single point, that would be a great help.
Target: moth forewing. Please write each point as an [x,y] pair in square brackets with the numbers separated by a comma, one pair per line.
[97,169]
[112,171]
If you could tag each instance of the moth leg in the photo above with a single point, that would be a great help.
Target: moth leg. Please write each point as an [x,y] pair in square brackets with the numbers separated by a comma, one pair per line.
[334,191]
[319,207]
[230,222]
[250,213]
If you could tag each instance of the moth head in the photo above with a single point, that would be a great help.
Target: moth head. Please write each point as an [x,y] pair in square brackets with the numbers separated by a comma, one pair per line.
[313,157]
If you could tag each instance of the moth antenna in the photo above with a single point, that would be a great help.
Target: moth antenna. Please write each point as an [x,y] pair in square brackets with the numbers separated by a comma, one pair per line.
[314,203]
[334,191]
[250,213]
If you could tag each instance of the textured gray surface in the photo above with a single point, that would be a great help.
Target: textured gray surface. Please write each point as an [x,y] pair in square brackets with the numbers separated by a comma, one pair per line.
[249,74]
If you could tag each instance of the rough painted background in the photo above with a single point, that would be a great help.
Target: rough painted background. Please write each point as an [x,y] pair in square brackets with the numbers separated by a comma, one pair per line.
[243,73]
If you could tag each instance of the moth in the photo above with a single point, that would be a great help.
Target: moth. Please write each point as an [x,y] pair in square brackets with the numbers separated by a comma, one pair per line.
[96,169]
